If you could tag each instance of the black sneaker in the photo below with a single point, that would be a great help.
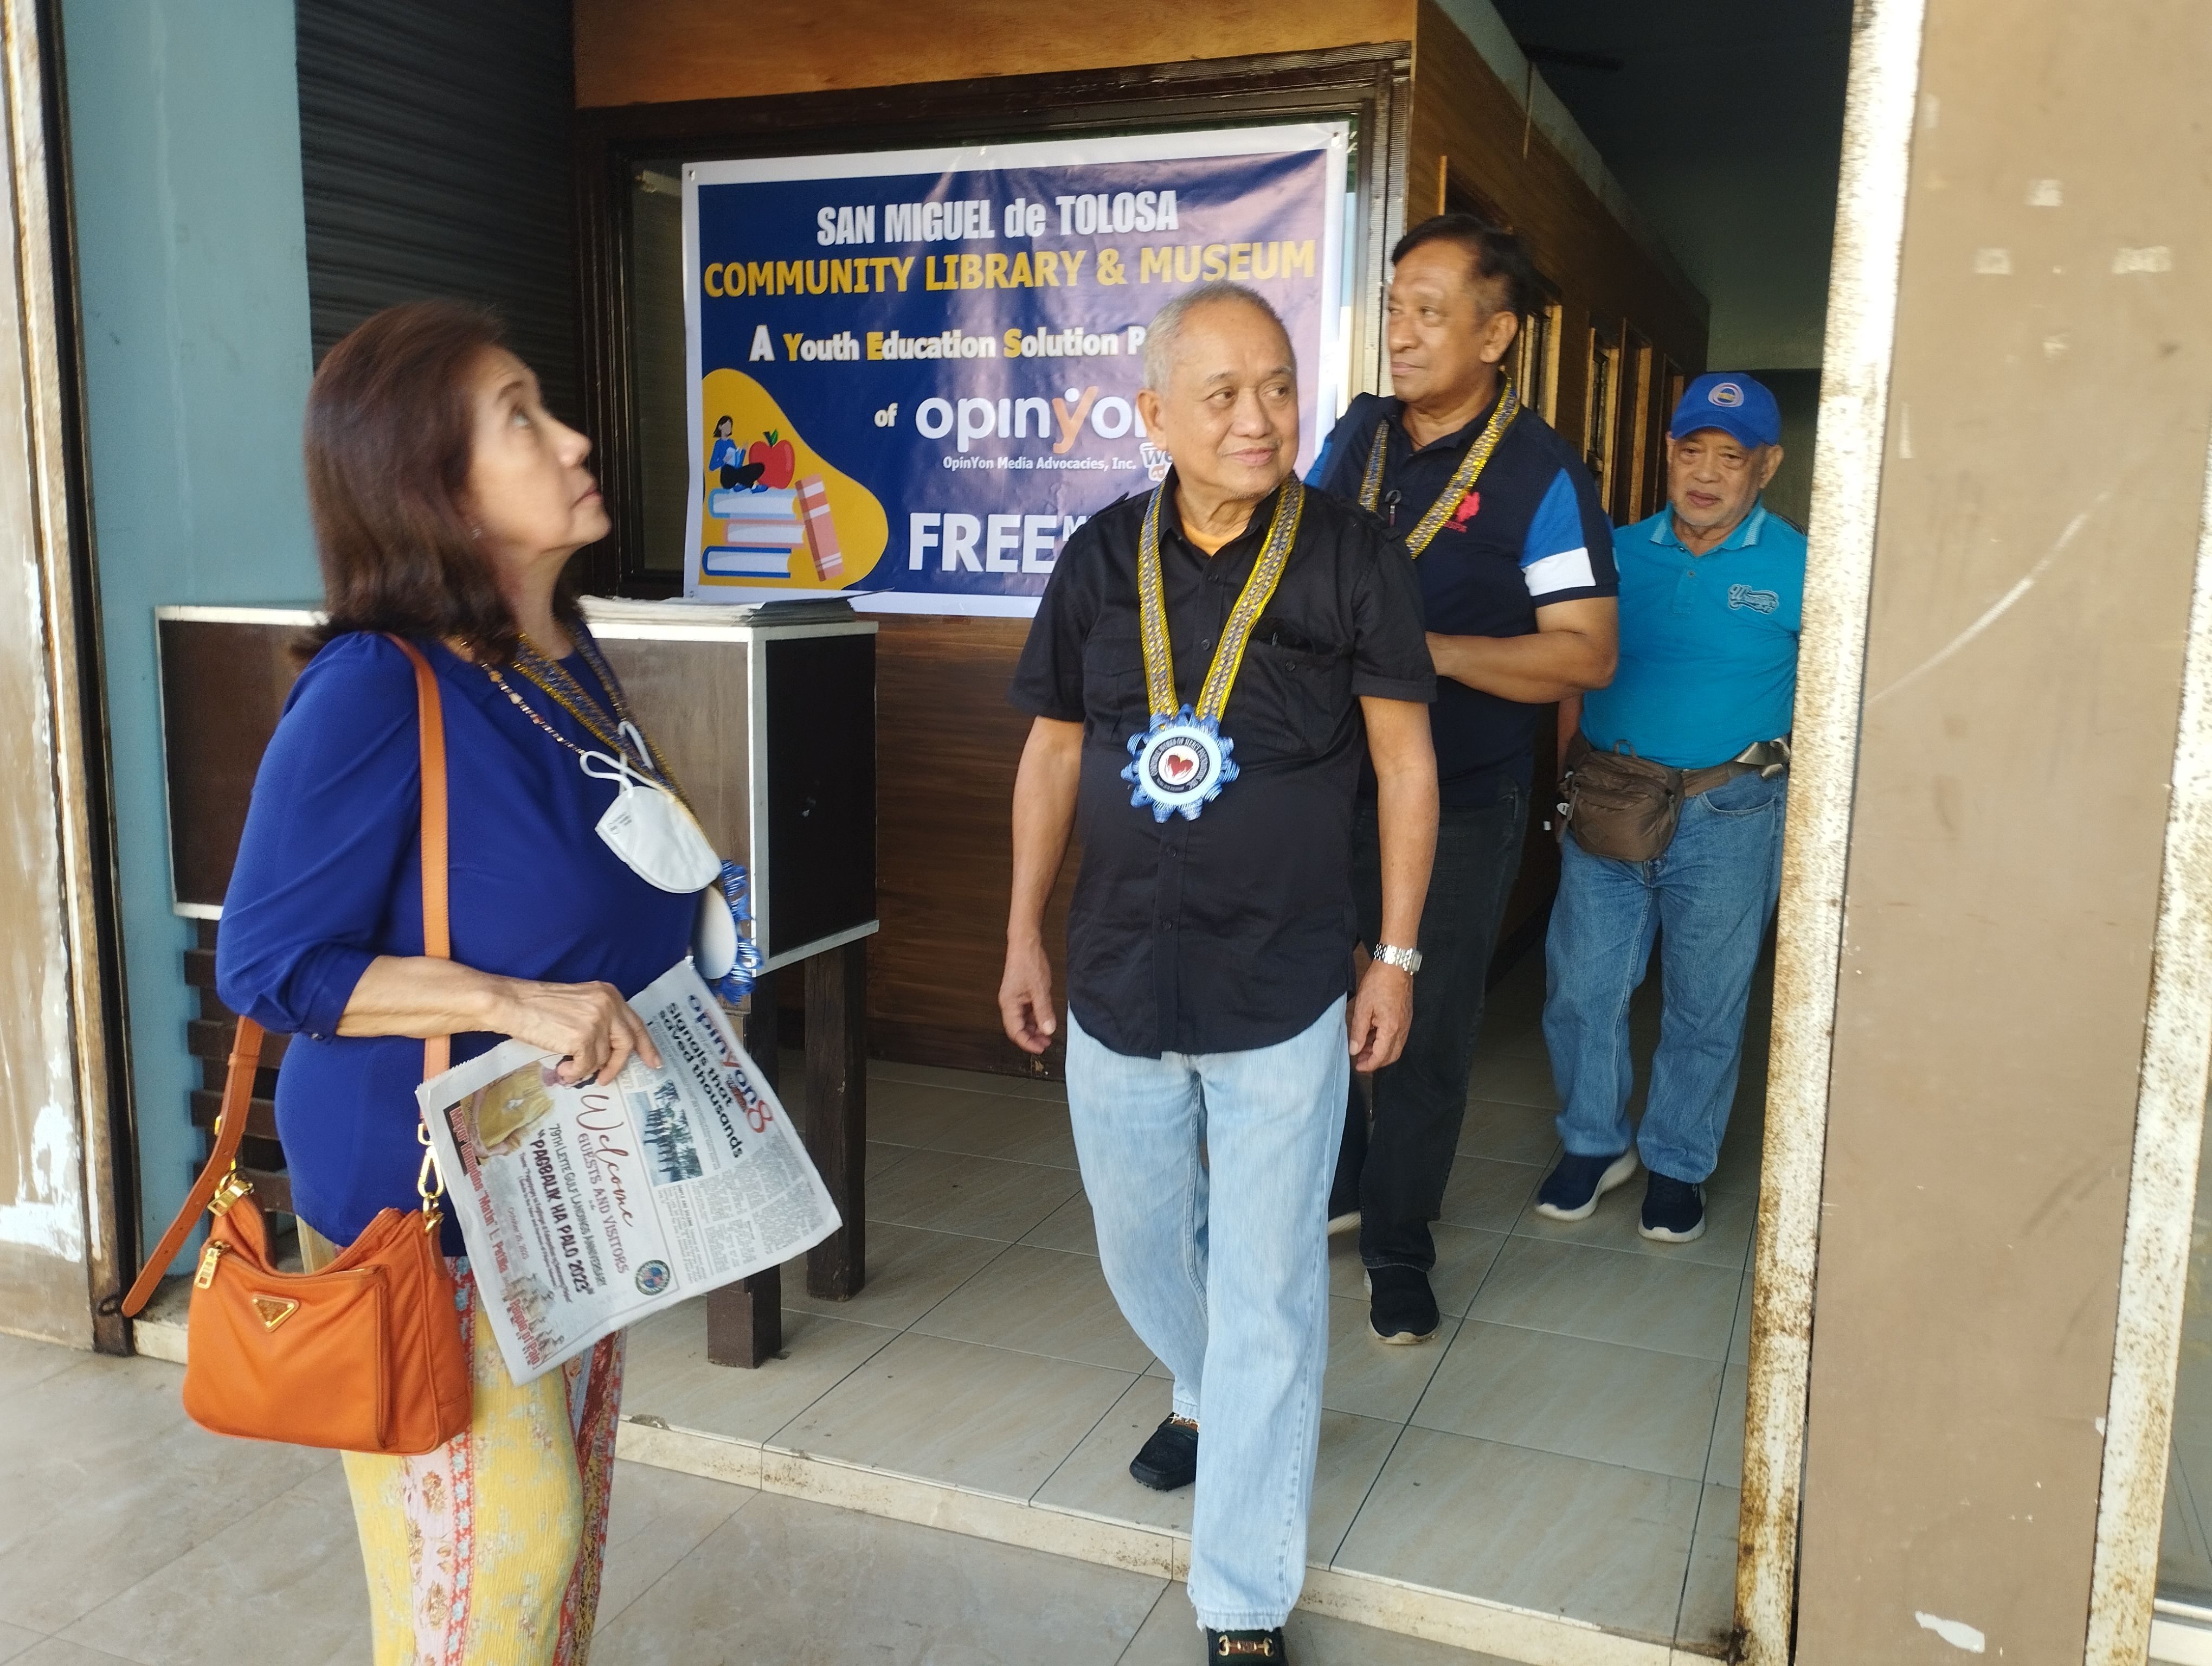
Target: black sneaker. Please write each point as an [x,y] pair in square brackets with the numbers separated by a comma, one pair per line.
[1674,1210]
[1400,1307]
[1169,1458]
[1245,1646]
[1571,1191]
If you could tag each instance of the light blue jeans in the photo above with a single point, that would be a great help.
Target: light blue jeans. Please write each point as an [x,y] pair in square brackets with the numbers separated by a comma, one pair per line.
[1709,896]
[1220,1263]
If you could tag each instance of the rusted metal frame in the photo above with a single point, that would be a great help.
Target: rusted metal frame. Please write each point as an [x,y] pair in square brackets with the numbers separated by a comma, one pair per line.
[1878,127]
[2177,1059]
[39,208]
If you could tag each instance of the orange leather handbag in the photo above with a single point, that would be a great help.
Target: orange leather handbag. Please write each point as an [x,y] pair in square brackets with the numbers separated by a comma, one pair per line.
[365,1354]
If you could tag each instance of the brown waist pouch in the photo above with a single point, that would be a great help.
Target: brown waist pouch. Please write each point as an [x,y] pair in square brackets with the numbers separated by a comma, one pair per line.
[1625,807]
[1618,805]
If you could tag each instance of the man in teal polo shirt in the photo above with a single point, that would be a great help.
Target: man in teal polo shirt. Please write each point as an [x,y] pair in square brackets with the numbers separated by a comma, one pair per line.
[1712,591]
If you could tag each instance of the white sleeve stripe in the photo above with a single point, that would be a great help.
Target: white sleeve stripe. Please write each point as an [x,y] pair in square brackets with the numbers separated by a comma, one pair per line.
[1570,569]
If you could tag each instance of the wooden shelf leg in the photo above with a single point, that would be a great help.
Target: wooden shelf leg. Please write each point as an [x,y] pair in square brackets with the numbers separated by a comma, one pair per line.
[744,1320]
[838,1112]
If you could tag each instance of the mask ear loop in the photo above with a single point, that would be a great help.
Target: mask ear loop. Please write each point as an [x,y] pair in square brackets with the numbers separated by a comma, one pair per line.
[619,770]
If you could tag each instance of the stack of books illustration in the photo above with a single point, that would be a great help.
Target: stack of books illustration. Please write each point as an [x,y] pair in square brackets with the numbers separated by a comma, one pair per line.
[760,530]
[821,529]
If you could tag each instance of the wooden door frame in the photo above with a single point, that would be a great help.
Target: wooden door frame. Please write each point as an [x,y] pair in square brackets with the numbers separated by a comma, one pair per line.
[44,248]
[1369,82]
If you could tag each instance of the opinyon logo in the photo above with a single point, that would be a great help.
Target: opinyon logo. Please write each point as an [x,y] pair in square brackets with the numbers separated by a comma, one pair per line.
[1742,595]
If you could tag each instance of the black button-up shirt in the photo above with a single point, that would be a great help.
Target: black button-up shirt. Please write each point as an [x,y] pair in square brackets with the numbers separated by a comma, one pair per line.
[1233,931]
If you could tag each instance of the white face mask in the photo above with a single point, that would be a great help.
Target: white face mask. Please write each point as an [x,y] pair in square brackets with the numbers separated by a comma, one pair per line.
[649,827]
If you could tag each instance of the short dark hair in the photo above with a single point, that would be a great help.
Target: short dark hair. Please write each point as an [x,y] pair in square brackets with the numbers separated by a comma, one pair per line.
[1499,256]
[388,435]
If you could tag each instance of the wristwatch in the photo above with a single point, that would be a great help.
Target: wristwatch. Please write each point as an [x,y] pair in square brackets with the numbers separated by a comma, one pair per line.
[1408,961]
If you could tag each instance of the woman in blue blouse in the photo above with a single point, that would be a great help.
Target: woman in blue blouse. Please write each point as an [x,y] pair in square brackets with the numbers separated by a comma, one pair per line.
[448,502]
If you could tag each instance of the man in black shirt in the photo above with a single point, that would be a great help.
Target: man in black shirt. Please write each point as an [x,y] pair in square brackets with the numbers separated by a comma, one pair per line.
[1209,967]
[1515,563]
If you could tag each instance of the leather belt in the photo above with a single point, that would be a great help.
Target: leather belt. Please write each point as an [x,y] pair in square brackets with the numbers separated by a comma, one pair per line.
[1769,757]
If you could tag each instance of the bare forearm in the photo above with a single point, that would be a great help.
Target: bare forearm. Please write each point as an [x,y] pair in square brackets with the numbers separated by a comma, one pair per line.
[415,995]
[1534,670]
[589,1025]
[1044,816]
[1405,811]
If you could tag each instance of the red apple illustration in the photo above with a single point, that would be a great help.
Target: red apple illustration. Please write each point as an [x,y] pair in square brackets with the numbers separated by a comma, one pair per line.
[777,460]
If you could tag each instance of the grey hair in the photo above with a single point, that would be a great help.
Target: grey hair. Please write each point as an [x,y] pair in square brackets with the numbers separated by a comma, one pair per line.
[1165,334]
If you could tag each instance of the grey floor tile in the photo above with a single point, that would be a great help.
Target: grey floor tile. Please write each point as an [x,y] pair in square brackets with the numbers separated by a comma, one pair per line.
[884,1071]
[1514,1079]
[14,1639]
[883,1155]
[1051,1302]
[1641,1301]
[1559,1535]
[1730,1217]
[1516,1134]
[1740,1335]
[1464,1256]
[2190,1483]
[1095,1480]
[655,1519]
[1171,1638]
[1372,1378]
[980,1196]
[909,1271]
[1725,1466]
[1487,1193]
[2183,1562]
[24,1363]
[55,1651]
[1582,1399]
[128,1488]
[976,1124]
[1524,1037]
[1709,1594]
[282,1583]
[984,1418]
[1739,1165]
[668,1379]
[1067,1227]
[775,1583]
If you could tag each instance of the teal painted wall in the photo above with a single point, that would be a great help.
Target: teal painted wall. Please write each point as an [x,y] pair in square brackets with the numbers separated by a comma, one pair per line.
[184,149]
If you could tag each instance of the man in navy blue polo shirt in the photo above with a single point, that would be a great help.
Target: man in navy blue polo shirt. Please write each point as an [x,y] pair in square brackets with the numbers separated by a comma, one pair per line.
[1515,558]
[1711,591]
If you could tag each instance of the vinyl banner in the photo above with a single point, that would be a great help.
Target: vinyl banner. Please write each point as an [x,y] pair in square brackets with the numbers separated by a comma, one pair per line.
[915,374]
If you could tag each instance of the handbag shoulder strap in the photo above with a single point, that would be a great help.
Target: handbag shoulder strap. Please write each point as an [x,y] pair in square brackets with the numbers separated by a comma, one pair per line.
[245,1048]
[437,935]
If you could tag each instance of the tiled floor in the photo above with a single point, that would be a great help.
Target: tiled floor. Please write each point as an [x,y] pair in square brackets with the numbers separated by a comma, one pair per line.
[1570,1443]
[133,1537]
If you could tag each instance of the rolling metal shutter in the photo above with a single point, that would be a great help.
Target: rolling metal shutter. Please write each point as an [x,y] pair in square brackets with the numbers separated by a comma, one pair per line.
[435,153]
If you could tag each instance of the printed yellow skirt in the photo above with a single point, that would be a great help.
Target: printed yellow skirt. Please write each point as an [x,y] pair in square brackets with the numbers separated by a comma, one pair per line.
[487,1551]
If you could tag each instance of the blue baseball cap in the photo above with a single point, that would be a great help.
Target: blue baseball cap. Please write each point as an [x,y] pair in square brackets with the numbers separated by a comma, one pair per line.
[1732,402]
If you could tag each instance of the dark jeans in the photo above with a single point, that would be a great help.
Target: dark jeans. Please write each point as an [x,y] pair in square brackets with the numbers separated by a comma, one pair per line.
[1400,1165]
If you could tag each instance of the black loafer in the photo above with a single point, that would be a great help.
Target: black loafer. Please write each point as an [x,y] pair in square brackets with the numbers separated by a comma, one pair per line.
[1266,1646]
[1169,1458]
